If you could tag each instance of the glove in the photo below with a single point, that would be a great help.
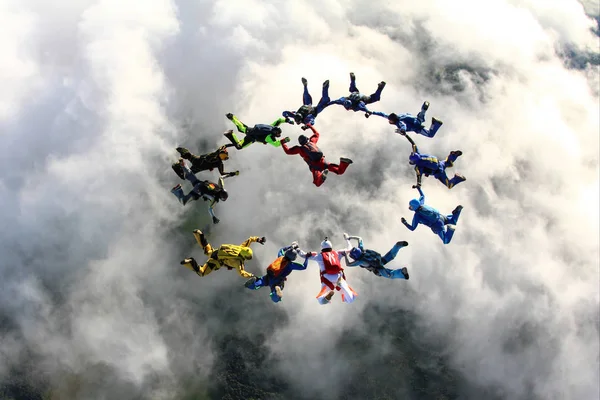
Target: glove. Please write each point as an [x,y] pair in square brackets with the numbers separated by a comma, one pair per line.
[262,240]
[234,173]
[198,231]
[289,121]
[215,220]
[401,131]
[418,185]
[403,220]
[285,140]
[304,127]
[295,245]
[229,116]
[368,114]
[346,236]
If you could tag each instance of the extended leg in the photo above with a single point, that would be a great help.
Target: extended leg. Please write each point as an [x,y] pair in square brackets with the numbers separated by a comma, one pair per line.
[233,139]
[421,114]
[306,97]
[318,177]
[435,125]
[390,255]
[341,168]
[353,87]
[324,99]
[392,273]
[446,234]
[453,218]
[377,95]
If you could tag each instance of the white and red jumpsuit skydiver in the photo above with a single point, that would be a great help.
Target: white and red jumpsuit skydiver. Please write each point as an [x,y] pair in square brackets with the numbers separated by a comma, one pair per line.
[332,273]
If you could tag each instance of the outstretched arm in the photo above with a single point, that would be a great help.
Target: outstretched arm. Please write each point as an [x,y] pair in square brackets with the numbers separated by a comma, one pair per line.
[290,150]
[315,136]
[272,141]
[339,101]
[278,121]
[252,239]
[288,114]
[422,198]
[381,114]
[418,171]
[414,223]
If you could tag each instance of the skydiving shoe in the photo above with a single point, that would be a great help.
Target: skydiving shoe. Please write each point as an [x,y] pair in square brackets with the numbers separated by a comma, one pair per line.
[403,243]
[425,106]
[192,262]
[435,121]
[380,86]
[345,160]
[176,188]
[183,151]
[304,81]
[455,214]
[326,84]
[404,272]
[352,76]
[329,296]
[178,168]
[456,153]
[459,178]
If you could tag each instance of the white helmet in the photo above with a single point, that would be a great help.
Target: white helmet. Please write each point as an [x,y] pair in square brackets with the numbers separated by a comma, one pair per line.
[326,244]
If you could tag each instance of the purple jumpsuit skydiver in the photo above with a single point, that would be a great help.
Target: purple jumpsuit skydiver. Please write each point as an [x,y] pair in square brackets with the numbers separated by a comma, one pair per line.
[442,225]
[307,113]
[410,123]
[357,101]
[426,164]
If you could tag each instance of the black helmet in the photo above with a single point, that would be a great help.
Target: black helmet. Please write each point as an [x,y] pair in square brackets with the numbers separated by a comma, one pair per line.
[223,195]
[393,118]
[276,131]
[298,118]
[302,139]
[290,255]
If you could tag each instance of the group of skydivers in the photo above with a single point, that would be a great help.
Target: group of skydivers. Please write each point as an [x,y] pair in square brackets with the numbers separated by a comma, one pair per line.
[329,260]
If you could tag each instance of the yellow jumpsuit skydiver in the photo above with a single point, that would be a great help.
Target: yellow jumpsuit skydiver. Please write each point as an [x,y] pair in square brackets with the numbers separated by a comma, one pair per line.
[227,255]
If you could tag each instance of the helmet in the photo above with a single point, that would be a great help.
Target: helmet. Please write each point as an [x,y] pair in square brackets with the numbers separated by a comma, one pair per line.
[355,253]
[246,253]
[223,195]
[347,104]
[276,131]
[393,118]
[414,204]
[223,154]
[290,255]
[413,158]
[302,139]
[326,244]
[298,118]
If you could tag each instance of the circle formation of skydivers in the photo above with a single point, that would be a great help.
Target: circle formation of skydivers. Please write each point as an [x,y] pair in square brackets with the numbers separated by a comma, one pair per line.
[331,271]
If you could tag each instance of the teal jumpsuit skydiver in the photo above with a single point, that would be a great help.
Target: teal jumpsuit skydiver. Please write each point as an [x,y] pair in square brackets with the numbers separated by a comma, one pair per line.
[442,225]
[374,262]
[426,164]
[278,272]
[357,101]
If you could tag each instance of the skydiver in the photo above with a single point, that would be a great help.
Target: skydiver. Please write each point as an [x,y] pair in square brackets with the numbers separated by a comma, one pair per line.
[227,255]
[332,273]
[373,261]
[203,162]
[307,113]
[357,101]
[313,156]
[278,271]
[426,164]
[205,190]
[410,123]
[442,225]
[258,133]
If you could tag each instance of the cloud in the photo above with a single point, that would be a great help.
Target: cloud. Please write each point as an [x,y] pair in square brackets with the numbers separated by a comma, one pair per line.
[97,95]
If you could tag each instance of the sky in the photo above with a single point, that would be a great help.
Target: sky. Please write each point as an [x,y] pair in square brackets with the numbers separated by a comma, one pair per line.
[97,94]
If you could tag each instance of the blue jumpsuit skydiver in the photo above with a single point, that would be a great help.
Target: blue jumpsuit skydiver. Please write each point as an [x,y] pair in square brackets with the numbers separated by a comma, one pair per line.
[374,262]
[426,164]
[410,123]
[357,101]
[307,113]
[442,225]
[277,272]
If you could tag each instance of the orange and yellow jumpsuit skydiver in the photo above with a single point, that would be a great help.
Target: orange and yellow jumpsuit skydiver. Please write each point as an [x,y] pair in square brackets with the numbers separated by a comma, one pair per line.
[227,255]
